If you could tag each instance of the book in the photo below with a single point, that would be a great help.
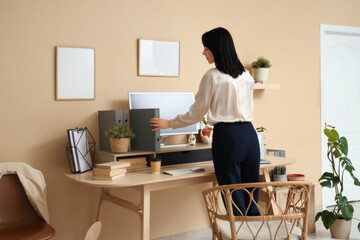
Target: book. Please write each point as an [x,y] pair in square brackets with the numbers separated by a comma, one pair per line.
[134,160]
[108,172]
[108,177]
[138,165]
[113,165]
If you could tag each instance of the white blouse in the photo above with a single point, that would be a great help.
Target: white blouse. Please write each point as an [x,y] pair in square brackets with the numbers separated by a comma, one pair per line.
[223,98]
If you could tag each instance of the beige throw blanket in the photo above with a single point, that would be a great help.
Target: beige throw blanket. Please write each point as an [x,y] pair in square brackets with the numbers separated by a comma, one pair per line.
[33,182]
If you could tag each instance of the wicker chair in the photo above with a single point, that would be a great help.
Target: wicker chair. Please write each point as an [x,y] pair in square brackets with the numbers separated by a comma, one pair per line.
[287,220]
[94,231]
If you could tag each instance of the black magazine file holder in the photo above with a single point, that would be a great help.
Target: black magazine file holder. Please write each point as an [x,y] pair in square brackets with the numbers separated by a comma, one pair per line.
[80,150]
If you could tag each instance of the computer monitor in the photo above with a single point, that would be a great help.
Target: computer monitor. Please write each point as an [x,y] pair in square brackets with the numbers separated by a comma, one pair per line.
[170,104]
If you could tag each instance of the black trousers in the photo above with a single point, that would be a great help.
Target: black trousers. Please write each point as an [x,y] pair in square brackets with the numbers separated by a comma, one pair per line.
[236,157]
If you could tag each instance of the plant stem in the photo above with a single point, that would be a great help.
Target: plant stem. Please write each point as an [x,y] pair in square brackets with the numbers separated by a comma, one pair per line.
[342,181]
[331,159]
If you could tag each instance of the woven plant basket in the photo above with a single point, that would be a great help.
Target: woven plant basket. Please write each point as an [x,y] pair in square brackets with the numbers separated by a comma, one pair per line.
[119,145]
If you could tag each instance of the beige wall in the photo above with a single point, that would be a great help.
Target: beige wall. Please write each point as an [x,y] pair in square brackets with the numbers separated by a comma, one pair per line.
[33,125]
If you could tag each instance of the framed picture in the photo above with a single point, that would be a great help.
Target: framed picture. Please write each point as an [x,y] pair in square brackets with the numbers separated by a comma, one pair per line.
[75,73]
[158,58]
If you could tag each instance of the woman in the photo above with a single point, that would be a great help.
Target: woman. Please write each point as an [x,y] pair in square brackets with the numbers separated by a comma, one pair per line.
[226,95]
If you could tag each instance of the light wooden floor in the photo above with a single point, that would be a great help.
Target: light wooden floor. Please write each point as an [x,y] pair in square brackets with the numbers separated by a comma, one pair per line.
[320,234]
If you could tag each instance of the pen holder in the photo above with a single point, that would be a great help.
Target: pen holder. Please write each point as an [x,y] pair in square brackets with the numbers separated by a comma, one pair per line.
[155,165]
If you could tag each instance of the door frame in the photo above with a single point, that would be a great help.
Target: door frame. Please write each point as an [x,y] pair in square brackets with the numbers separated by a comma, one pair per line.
[325,30]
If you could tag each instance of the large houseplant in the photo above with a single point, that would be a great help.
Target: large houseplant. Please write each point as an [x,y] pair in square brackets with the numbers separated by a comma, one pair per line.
[261,69]
[119,137]
[337,154]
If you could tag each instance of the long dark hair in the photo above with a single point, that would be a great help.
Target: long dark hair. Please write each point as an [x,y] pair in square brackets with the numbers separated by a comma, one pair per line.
[220,43]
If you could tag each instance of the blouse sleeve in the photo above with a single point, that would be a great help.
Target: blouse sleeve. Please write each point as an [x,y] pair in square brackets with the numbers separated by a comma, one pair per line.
[200,107]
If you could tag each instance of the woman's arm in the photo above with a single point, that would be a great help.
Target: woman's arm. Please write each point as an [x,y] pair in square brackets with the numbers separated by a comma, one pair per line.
[197,110]
[201,105]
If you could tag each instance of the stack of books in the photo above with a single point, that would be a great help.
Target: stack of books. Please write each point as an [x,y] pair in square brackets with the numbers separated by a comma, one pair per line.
[110,170]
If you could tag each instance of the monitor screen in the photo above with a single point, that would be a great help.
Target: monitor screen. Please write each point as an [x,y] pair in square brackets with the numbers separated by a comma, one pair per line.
[170,104]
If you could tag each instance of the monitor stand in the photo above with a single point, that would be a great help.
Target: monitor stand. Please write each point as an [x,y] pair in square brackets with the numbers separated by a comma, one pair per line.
[162,143]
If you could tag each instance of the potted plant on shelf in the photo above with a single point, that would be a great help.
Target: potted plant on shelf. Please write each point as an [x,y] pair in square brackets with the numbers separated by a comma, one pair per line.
[339,218]
[261,69]
[119,137]
[260,131]
[205,132]
[279,174]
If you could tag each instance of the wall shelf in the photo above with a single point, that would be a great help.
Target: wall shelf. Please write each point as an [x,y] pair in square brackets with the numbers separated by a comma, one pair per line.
[259,86]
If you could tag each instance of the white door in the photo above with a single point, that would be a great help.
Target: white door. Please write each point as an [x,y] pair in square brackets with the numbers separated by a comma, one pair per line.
[340,98]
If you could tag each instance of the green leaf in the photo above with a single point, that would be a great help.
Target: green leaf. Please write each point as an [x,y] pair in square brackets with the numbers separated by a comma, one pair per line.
[343,144]
[318,215]
[340,199]
[337,153]
[347,212]
[328,180]
[359,227]
[347,164]
[356,181]
[327,132]
[328,218]
[334,135]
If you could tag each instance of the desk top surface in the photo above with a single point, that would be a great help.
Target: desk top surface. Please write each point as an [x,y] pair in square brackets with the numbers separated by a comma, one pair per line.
[145,177]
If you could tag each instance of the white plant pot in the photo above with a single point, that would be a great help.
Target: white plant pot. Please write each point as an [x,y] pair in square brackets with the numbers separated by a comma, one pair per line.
[279,178]
[341,229]
[261,74]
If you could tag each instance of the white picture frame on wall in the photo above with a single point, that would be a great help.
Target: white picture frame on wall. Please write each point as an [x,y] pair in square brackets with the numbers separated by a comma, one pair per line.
[75,73]
[158,58]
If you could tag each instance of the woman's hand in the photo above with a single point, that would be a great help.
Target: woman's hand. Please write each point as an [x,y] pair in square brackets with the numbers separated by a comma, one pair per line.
[159,123]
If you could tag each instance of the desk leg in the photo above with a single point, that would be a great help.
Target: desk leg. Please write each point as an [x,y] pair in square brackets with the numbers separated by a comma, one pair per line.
[274,207]
[145,216]
[143,209]
[265,173]
[100,202]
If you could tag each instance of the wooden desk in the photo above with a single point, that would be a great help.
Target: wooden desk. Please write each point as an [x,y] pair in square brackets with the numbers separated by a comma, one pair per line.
[146,182]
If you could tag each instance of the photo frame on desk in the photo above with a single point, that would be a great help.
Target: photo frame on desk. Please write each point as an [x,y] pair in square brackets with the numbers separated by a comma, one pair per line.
[80,151]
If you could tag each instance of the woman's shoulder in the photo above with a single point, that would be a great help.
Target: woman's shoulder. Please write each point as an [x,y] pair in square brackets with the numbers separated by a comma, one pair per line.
[246,76]
[216,75]
[211,74]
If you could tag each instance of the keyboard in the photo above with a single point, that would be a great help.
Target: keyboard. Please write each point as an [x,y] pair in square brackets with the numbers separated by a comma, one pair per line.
[177,172]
